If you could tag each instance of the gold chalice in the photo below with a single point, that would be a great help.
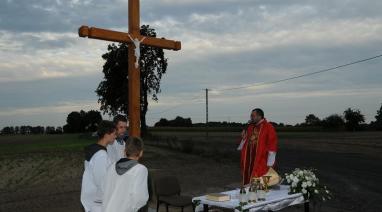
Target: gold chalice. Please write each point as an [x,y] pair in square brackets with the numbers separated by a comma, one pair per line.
[266,179]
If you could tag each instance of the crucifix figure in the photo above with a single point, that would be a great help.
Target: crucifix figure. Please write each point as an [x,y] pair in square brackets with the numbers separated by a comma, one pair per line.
[136,39]
[137,52]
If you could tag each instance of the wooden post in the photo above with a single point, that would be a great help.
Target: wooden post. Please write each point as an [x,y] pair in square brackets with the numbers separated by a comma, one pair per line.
[134,73]
[207,114]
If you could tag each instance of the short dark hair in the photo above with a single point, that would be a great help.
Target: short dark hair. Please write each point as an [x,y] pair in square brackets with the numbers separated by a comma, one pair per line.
[133,146]
[105,127]
[259,112]
[119,118]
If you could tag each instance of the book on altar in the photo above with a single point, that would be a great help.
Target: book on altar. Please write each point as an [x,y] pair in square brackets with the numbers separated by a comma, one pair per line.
[217,197]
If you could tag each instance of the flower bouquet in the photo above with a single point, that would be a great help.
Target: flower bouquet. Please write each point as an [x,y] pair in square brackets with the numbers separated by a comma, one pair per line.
[305,181]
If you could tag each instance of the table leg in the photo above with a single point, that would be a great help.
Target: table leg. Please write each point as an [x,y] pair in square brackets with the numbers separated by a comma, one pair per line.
[306,206]
[205,208]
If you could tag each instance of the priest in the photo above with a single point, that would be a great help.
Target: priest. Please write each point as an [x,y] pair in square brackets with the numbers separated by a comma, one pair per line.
[258,147]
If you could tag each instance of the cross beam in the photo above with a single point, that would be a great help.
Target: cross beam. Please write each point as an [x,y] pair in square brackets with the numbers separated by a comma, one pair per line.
[133,72]
[123,37]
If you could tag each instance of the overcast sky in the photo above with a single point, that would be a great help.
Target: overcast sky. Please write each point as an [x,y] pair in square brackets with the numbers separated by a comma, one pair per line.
[47,71]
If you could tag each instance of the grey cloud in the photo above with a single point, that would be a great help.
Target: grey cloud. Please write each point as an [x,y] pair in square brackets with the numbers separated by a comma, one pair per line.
[53,16]
[48,91]
[190,71]
[249,67]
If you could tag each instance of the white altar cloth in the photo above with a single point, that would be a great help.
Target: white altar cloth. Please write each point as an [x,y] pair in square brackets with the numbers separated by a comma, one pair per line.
[276,199]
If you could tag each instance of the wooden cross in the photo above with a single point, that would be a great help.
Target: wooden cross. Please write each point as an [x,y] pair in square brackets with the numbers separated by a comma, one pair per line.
[133,72]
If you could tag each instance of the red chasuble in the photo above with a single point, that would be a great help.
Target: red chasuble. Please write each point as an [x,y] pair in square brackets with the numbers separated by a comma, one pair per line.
[258,141]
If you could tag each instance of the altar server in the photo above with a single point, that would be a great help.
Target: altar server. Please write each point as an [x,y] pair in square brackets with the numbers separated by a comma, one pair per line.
[126,181]
[96,163]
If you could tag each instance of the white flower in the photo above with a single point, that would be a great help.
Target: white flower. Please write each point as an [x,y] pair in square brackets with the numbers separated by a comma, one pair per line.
[316,191]
[294,185]
[309,184]
[295,180]
[304,191]
[301,173]
[304,185]
[327,191]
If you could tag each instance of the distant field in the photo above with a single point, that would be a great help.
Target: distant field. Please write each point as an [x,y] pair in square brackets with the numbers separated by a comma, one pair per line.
[43,172]
[43,143]
[369,143]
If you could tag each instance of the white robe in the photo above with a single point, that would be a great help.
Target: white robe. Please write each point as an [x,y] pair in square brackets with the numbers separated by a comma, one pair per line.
[93,181]
[127,192]
[116,151]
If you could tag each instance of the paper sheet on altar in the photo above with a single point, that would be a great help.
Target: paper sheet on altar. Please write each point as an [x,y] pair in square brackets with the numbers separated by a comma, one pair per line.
[276,199]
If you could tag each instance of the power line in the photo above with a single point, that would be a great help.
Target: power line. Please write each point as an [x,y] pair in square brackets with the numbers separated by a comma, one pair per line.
[275,81]
[300,76]
[176,106]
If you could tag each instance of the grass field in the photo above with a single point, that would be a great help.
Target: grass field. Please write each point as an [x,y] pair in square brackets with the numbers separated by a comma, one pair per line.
[43,172]
[43,143]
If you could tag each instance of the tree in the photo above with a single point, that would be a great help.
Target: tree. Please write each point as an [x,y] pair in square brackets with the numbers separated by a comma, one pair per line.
[113,90]
[59,130]
[37,130]
[177,122]
[74,123]
[92,119]
[17,130]
[50,130]
[181,122]
[333,122]
[7,131]
[353,119]
[312,120]
[378,119]
[25,130]
[82,121]
[162,123]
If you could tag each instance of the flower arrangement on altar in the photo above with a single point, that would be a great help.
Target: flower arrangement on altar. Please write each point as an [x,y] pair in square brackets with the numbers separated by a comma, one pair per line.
[306,182]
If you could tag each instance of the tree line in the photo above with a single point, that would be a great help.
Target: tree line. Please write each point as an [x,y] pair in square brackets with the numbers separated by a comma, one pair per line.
[350,120]
[26,130]
[76,122]
[82,121]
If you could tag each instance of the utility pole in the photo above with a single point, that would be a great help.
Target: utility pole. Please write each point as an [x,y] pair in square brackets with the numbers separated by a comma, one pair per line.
[207,113]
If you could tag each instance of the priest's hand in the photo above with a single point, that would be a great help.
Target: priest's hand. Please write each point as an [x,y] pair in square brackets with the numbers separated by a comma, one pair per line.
[271,158]
[243,134]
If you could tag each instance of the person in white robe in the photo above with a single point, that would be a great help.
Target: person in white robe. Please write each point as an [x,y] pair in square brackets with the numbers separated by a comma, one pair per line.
[116,150]
[126,181]
[96,163]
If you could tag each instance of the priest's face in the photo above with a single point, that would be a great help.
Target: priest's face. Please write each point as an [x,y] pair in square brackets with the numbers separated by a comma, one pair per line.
[255,118]
[121,128]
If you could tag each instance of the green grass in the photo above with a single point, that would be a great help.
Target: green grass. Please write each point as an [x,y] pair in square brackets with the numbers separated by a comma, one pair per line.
[43,143]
